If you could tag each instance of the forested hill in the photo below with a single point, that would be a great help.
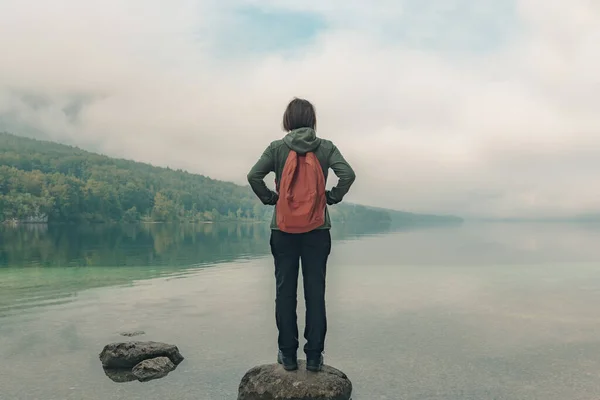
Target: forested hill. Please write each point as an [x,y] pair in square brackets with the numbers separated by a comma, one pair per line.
[42,181]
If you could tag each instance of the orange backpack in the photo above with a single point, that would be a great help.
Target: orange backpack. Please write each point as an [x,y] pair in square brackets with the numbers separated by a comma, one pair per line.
[302,202]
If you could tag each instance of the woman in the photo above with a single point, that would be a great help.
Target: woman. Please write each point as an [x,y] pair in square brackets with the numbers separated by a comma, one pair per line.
[313,247]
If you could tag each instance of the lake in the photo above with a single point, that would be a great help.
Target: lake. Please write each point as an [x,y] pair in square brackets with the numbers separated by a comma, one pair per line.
[477,311]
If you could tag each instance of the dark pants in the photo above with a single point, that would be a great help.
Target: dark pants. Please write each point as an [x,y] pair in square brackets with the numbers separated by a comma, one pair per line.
[313,249]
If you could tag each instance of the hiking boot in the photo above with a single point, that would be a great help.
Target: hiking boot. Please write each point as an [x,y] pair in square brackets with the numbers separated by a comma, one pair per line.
[289,363]
[314,364]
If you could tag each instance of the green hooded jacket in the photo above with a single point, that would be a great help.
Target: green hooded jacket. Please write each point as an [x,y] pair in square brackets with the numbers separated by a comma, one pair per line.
[302,140]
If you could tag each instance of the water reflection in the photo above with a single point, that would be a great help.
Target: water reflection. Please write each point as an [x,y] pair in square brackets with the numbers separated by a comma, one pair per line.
[492,244]
[44,265]
[142,245]
[129,245]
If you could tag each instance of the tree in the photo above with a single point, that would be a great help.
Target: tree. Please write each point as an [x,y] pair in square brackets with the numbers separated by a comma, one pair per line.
[131,215]
[164,209]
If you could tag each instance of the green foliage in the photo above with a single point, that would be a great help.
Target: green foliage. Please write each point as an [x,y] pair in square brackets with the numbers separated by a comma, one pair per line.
[349,213]
[49,182]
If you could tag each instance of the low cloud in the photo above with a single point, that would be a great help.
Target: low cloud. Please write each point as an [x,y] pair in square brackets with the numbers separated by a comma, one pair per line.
[443,115]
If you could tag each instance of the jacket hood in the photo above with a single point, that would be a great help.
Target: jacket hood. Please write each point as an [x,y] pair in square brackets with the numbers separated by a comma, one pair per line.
[302,140]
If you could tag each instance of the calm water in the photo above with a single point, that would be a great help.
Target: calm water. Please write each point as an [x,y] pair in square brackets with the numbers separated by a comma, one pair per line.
[496,311]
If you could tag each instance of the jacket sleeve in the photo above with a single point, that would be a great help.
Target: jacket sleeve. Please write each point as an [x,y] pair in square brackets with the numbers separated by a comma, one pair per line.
[256,176]
[345,175]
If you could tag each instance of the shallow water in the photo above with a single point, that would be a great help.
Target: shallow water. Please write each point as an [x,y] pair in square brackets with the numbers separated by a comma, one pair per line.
[496,311]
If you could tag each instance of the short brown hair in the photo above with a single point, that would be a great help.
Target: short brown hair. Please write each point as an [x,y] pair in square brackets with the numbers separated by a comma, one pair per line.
[299,113]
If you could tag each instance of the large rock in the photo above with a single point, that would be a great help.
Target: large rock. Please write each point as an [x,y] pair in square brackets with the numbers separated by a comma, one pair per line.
[129,354]
[272,382]
[154,368]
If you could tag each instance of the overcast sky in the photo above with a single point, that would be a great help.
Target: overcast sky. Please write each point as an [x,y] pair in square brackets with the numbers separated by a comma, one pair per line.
[472,107]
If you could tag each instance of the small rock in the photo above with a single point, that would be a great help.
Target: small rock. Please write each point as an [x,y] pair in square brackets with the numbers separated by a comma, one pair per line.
[272,382]
[155,368]
[132,334]
[129,354]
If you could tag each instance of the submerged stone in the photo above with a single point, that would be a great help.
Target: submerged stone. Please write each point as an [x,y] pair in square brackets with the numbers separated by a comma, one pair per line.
[129,354]
[120,375]
[133,333]
[154,368]
[272,382]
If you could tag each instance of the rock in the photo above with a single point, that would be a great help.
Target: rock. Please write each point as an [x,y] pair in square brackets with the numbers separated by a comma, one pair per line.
[155,368]
[272,382]
[129,354]
[120,375]
[132,334]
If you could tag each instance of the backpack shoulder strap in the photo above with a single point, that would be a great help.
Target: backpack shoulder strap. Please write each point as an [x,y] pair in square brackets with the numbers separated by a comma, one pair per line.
[289,170]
